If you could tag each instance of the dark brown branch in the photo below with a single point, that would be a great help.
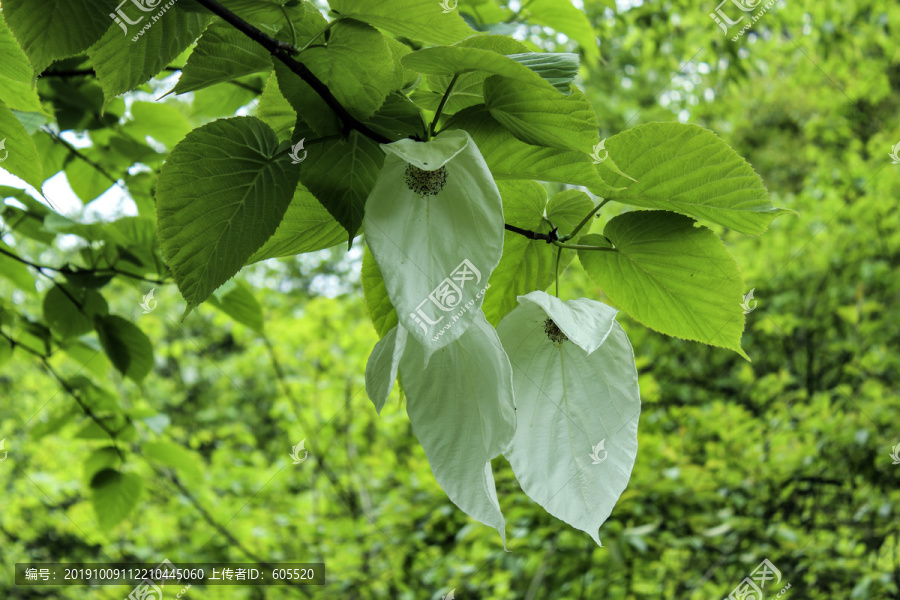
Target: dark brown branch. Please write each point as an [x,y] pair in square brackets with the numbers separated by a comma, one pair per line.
[284,52]
[534,235]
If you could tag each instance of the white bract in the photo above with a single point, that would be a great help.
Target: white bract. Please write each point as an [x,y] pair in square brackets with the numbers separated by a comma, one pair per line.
[462,410]
[572,394]
[434,223]
[381,370]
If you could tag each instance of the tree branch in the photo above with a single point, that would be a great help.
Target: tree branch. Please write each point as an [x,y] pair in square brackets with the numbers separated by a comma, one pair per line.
[284,52]
[533,235]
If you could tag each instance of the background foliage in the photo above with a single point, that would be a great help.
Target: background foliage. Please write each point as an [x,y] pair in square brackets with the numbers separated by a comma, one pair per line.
[786,457]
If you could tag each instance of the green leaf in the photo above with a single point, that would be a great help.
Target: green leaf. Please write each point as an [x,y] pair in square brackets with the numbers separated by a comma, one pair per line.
[461,407]
[161,121]
[98,460]
[49,30]
[454,60]
[357,66]
[398,118]
[527,264]
[16,272]
[85,179]
[275,111]
[564,17]
[126,345]
[381,369]
[541,116]
[510,158]
[236,300]
[688,169]
[221,194]
[308,105]
[114,496]
[223,53]
[67,319]
[122,62]
[558,68]
[421,20]
[306,227]
[436,287]
[340,174]
[16,74]
[173,455]
[17,150]
[572,404]
[381,311]
[6,351]
[670,275]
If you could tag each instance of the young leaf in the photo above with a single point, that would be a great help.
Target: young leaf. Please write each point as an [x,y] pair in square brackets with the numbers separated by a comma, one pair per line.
[454,60]
[49,30]
[689,170]
[670,275]
[306,227]
[381,369]
[16,74]
[558,68]
[541,116]
[221,194]
[421,20]
[275,111]
[126,345]
[510,158]
[114,496]
[18,150]
[576,439]
[427,193]
[122,62]
[223,53]
[462,411]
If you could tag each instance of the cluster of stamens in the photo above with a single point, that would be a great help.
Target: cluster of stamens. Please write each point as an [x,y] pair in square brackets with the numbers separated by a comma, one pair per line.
[554,334]
[426,183]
